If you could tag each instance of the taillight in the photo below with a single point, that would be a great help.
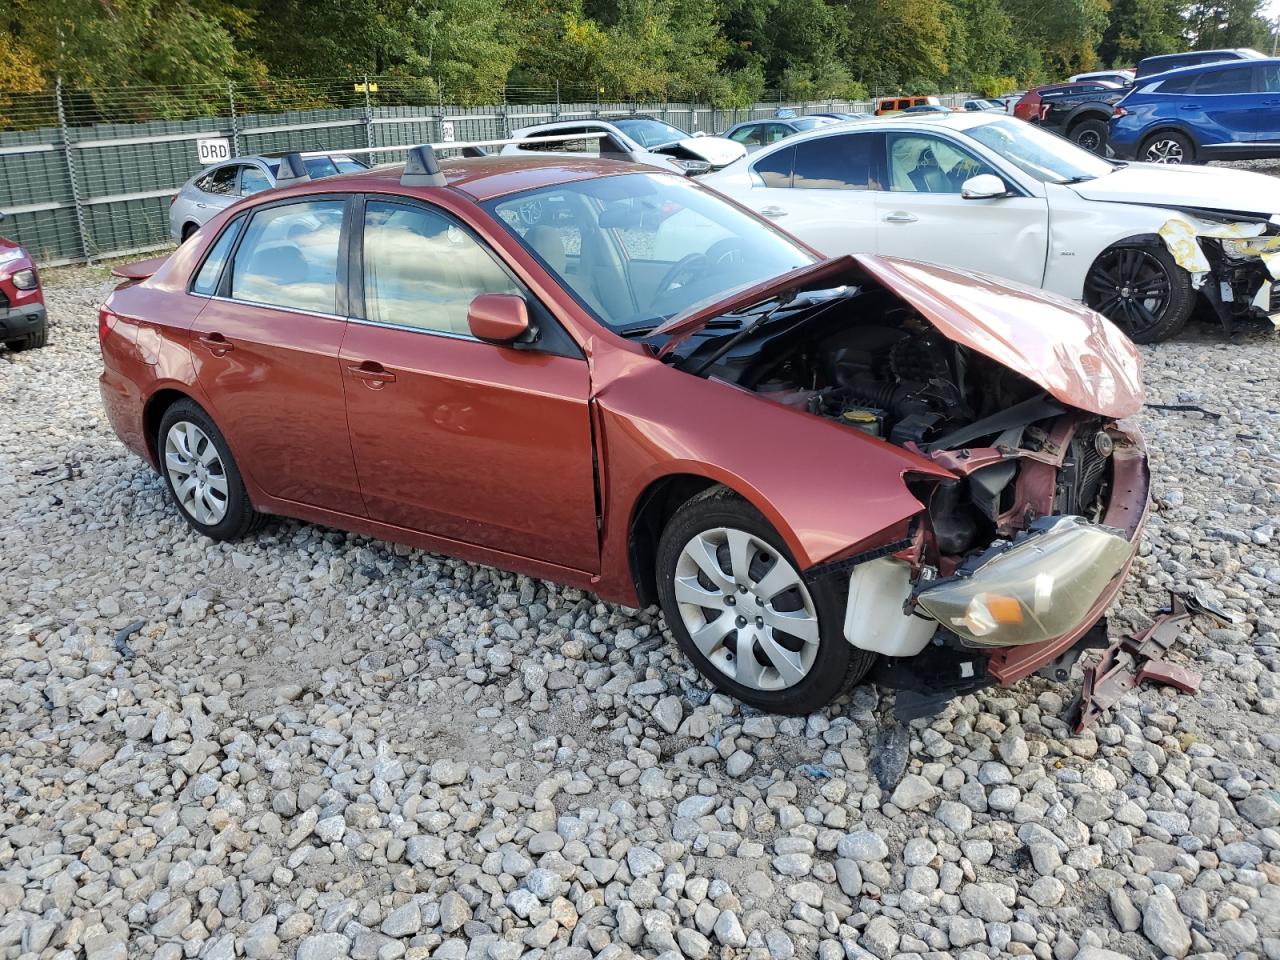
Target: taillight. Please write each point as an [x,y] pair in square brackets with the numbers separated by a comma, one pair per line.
[1118,111]
[106,322]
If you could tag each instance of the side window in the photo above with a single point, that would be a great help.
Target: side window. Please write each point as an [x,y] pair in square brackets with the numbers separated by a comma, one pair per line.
[776,132]
[847,162]
[422,270]
[253,180]
[746,135]
[289,257]
[1219,82]
[221,181]
[775,169]
[319,167]
[206,280]
[589,147]
[925,164]
[1270,77]
[1176,84]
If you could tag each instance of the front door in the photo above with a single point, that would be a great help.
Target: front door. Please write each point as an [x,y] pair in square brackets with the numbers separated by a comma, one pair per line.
[266,352]
[480,443]
[922,216]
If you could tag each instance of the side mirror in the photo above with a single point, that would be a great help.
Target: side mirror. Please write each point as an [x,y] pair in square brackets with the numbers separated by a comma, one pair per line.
[985,186]
[498,317]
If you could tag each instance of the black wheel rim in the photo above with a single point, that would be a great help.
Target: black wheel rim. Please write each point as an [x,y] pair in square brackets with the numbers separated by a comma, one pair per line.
[1089,140]
[1130,287]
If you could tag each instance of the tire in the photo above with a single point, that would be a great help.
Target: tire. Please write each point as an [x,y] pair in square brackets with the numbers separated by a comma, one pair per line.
[1091,135]
[187,230]
[217,505]
[31,341]
[1168,147]
[815,669]
[1121,272]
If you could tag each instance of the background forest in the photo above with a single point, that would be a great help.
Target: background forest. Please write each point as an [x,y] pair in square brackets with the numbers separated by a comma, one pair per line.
[726,52]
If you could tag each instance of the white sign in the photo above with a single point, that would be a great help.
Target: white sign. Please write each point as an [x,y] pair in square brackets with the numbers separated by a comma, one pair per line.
[446,131]
[213,150]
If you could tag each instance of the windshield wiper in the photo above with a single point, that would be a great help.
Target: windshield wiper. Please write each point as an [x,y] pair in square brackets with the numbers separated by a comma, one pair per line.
[1078,179]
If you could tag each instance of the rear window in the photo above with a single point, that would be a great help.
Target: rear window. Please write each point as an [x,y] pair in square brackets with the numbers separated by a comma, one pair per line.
[289,257]
[1220,82]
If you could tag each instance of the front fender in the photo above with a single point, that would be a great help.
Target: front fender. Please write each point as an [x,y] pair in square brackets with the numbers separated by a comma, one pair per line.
[826,488]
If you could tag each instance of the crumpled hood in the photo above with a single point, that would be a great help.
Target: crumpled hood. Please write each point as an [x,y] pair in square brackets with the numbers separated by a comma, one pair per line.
[1165,185]
[717,151]
[1079,356]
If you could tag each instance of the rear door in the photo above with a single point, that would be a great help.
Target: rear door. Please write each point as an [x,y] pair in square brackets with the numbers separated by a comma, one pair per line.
[921,214]
[475,442]
[1268,109]
[266,353]
[823,190]
[1226,106]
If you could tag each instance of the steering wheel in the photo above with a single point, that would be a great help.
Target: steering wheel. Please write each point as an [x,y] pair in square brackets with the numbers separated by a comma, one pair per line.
[685,269]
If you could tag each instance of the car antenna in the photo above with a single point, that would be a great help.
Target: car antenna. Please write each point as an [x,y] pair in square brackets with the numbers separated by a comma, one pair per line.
[422,169]
[292,170]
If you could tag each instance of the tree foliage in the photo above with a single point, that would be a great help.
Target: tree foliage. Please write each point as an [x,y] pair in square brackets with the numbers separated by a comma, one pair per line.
[726,51]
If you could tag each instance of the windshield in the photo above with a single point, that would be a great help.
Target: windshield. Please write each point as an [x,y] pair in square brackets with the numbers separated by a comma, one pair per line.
[1046,156]
[638,249]
[649,132]
[809,123]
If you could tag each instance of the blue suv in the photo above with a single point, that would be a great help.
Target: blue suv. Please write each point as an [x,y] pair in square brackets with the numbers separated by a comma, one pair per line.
[1218,111]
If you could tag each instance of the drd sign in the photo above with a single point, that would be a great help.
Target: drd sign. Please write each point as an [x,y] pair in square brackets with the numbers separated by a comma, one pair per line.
[213,150]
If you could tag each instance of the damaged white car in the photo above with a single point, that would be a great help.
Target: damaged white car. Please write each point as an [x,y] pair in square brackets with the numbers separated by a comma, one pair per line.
[1140,243]
[640,139]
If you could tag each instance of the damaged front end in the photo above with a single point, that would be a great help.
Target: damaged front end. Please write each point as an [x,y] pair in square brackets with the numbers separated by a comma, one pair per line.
[1022,400]
[1233,259]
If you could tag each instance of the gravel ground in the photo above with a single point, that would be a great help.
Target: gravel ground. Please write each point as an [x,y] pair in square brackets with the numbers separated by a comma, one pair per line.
[318,745]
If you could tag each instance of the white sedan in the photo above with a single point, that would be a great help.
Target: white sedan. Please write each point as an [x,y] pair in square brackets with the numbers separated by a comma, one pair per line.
[1140,243]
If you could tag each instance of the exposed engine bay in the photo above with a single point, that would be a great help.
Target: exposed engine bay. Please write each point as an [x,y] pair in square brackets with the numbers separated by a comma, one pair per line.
[861,357]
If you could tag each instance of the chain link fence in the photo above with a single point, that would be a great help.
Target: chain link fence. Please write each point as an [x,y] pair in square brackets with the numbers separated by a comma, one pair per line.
[87,174]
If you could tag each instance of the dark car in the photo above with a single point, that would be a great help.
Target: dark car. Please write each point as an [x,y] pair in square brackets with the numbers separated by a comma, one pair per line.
[546,364]
[1080,115]
[1220,111]
[1150,66]
[23,320]
[754,134]
[845,116]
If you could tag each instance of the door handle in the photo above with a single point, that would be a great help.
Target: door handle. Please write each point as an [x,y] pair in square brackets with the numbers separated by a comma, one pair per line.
[901,217]
[216,344]
[1190,106]
[372,373]
[773,212]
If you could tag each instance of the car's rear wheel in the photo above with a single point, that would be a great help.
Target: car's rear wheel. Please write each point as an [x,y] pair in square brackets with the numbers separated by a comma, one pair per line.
[1142,290]
[32,341]
[188,229]
[201,474]
[741,610]
[1091,135]
[1168,146]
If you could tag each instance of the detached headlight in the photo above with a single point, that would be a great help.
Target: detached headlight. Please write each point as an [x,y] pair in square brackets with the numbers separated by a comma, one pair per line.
[25,279]
[1039,589]
[692,167]
[10,254]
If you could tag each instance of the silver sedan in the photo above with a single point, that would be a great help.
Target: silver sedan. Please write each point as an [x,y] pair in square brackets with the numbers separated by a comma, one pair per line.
[216,188]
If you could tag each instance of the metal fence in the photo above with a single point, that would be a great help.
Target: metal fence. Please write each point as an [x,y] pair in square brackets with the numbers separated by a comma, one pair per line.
[90,174]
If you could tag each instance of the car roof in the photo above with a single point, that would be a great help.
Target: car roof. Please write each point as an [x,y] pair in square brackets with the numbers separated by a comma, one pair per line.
[484,178]
[917,122]
[1207,67]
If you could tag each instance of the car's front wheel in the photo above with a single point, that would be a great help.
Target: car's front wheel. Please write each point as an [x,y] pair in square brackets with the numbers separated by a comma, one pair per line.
[30,341]
[201,474]
[1168,147]
[749,620]
[1091,135]
[1142,290]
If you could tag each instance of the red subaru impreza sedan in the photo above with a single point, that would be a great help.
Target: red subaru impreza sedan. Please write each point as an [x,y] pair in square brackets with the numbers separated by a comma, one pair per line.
[612,377]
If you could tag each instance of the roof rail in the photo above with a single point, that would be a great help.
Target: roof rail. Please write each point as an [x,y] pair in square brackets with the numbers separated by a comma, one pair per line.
[421,168]
[292,169]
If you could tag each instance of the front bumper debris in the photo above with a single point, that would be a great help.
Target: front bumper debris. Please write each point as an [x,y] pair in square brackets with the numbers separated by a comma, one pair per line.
[1139,658]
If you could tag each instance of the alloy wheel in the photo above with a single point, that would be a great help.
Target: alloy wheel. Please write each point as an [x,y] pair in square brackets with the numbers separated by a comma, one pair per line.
[747,609]
[1164,150]
[1089,140]
[1130,287]
[196,472]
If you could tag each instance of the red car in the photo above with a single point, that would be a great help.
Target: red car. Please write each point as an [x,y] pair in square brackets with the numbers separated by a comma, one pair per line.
[612,377]
[23,320]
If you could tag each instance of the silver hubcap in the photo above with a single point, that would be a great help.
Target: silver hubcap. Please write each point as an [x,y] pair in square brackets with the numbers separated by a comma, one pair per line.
[746,609]
[196,472]
[1165,151]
